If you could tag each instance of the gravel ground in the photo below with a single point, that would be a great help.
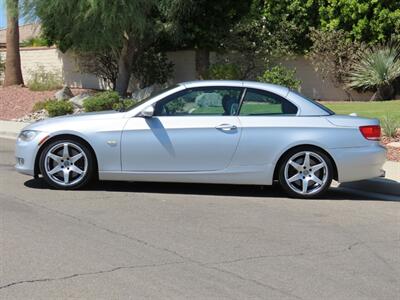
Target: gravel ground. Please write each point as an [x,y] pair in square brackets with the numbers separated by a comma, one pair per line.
[16,102]
[393,153]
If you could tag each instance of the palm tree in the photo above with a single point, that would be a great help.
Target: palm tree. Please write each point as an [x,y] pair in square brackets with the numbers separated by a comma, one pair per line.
[13,74]
[376,69]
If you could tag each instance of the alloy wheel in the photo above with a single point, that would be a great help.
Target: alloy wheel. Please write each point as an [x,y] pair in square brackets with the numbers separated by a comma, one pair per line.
[306,173]
[66,164]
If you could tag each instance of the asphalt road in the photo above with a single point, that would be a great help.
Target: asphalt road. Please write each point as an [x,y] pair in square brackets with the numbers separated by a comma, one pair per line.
[176,241]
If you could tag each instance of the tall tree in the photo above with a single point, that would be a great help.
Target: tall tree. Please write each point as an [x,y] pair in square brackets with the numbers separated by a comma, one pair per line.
[288,20]
[203,24]
[96,25]
[13,73]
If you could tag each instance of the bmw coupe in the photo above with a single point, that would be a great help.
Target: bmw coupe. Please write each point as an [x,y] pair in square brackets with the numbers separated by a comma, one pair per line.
[230,132]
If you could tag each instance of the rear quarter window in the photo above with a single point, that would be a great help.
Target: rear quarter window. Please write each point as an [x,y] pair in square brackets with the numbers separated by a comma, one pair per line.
[264,103]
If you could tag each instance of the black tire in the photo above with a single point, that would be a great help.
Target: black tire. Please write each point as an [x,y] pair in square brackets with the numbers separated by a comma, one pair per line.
[87,176]
[320,189]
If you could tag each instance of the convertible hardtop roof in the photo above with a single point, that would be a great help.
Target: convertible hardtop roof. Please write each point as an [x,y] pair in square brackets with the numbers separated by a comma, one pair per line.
[277,89]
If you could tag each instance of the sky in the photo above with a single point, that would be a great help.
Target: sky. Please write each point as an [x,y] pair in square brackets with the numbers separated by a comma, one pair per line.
[3,17]
[3,20]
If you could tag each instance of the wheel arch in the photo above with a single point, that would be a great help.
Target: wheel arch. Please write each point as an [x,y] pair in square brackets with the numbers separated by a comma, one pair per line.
[60,137]
[309,146]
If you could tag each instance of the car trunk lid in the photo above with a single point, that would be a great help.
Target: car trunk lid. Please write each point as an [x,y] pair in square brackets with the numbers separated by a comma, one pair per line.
[351,121]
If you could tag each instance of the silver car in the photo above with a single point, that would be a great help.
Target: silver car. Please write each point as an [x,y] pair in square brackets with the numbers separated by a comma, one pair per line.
[230,132]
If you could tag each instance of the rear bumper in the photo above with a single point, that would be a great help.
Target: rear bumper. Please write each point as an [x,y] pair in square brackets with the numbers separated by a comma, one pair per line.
[361,163]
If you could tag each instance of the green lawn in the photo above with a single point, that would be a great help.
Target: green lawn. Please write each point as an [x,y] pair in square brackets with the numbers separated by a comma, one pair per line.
[378,109]
[249,109]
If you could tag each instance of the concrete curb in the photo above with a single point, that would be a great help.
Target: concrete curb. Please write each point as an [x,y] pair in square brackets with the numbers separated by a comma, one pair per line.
[376,185]
[390,185]
[372,195]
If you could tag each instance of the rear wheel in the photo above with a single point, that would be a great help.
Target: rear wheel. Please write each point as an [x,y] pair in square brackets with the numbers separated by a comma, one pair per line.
[306,173]
[67,164]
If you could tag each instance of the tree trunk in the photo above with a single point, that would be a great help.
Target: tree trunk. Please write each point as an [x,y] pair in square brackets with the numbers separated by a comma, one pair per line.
[202,63]
[125,66]
[13,74]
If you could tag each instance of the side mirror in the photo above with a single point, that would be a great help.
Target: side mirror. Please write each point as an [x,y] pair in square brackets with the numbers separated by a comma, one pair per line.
[148,112]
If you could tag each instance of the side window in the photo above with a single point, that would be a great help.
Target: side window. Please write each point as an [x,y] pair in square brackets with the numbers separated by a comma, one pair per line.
[210,101]
[263,103]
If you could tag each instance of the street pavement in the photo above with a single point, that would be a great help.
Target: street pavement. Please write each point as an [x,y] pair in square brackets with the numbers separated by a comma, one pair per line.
[185,241]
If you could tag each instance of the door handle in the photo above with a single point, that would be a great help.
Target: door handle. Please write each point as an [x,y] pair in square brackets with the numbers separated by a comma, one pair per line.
[226,127]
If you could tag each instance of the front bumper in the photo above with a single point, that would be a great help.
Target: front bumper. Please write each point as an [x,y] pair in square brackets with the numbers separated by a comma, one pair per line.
[361,163]
[25,154]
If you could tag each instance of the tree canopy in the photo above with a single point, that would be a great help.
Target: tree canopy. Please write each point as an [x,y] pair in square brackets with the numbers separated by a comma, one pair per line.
[258,28]
[290,20]
[202,23]
[368,21]
[91,25]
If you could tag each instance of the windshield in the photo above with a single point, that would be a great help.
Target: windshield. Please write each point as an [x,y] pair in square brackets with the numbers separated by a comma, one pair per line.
[135,104]
[323,107]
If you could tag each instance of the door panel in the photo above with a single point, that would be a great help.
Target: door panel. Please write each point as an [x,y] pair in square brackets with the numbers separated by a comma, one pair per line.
[179,143]
[269,124]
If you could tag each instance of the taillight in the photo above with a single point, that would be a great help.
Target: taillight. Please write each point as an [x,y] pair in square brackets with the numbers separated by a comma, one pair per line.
[371,132]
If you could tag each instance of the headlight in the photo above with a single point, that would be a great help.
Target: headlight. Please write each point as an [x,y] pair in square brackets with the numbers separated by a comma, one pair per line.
[27,135]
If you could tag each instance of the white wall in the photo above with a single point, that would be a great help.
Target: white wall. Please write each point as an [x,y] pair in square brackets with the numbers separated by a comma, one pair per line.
[314,86]
[53,60]
[184,70]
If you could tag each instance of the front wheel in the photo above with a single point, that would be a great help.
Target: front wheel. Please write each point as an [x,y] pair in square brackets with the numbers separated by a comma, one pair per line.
[66,164]
[305,173]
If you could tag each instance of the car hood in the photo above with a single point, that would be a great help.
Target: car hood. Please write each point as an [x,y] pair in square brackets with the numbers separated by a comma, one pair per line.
[46,124]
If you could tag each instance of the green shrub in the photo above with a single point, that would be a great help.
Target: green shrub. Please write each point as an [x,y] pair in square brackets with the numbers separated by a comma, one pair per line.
[44,80]
[35,42]
[58,108]
[40,105]
[376,69]
[390,126]
[101,101]
[124,104]
[223,71]
[282,76]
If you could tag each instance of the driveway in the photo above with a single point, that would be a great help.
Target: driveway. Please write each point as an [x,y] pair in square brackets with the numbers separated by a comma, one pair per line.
[179,241]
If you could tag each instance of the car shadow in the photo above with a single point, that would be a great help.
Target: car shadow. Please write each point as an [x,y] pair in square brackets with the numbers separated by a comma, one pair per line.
[273,191]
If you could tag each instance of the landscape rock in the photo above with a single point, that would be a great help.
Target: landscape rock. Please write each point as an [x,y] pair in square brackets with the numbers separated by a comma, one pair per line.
[64,94]
[394,145]
[77,101]
[146,92]
[34,116]
[143,93]
[78,111]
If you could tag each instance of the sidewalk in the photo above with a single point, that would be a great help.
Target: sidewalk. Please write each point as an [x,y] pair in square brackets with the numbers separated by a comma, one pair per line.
[389,185]
[10,129]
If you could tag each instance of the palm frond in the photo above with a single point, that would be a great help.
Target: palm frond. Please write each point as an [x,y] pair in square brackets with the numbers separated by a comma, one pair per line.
[375,67]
